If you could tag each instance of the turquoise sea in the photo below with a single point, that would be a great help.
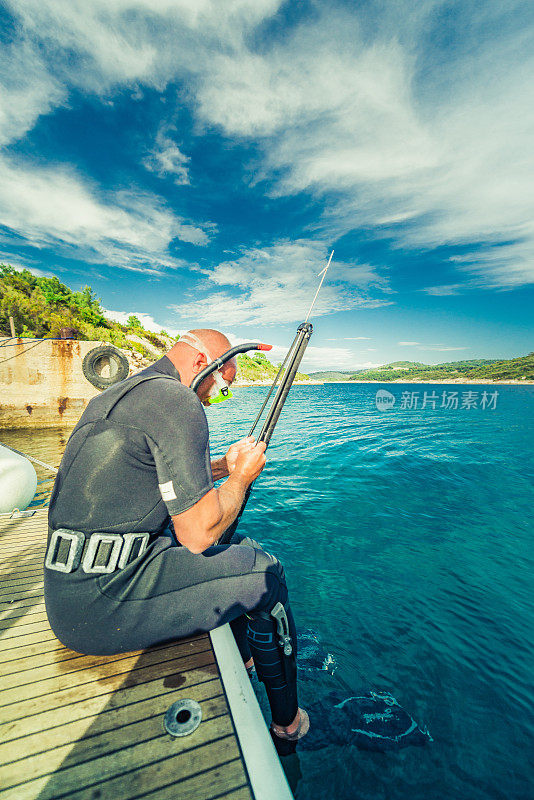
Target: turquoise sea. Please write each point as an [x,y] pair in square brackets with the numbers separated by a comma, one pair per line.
[407,539]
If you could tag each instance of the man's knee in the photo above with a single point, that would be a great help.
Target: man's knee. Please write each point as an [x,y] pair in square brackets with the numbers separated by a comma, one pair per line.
[269,564]
[275,580]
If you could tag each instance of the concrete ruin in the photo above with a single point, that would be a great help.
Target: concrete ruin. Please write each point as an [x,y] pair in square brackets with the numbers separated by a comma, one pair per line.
[42,383]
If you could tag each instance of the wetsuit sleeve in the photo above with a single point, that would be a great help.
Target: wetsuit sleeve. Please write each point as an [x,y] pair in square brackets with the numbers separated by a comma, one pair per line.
[179,442]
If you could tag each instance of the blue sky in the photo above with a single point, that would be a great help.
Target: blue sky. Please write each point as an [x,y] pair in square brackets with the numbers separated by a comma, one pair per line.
[195,161]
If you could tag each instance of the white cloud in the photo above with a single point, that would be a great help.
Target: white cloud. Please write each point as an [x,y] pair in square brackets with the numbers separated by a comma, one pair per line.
[426,155]
[27,90]
[315,358]
[361,114]
[445,290]
[442,348]
[93,47]
[167,159]
[148,322]
[56,207]
[319,358]
[277,284]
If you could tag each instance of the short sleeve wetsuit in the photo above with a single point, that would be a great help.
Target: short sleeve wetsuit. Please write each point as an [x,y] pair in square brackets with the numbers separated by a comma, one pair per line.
[139,454]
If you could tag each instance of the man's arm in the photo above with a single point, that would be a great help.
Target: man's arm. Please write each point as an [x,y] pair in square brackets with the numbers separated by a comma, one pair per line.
[219,468]
[202,525]
[222,467]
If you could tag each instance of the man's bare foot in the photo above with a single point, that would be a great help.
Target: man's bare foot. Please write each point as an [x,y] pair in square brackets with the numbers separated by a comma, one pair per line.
[296,729]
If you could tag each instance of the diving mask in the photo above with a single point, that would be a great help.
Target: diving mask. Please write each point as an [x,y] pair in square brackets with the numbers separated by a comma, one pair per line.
[221,390]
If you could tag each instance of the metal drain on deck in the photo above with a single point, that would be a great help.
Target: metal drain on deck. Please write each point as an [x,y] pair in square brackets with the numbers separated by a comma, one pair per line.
[183,717]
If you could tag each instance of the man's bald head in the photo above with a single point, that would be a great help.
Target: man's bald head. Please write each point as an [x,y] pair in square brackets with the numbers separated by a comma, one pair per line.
[189,360]
[215,342]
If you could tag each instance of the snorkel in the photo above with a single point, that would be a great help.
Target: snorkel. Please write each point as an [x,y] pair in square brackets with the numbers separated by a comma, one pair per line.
[223,390]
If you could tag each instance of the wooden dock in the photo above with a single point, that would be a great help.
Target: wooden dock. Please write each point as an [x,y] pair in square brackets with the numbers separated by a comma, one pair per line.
[91,727]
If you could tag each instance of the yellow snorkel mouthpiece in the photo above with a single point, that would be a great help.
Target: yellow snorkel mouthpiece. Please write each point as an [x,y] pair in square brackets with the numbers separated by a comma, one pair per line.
[220,397]
[220,391]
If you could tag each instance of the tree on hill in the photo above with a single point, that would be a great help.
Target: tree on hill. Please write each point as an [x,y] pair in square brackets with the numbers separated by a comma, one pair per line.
[134,322]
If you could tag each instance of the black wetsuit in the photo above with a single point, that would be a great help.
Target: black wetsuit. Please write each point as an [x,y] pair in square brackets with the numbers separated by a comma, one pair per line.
[139,454]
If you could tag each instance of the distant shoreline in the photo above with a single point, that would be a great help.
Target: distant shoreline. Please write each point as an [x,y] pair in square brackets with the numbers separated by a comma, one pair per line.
[238,384]
[481,381]
[452,381]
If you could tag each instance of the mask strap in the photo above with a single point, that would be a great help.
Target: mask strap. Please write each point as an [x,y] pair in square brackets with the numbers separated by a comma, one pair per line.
[200,346]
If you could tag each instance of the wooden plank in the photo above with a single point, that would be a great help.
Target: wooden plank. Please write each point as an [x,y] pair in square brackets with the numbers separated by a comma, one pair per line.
[47,647]
[22,595]
[7,568]
[22,575]
[25,602]
[37,658]
[88,747]
[22,554]
[94,704]
[31,638]
[216,744]
[28,537]
[28,663]
[76,694]
[86,668]
[24,626]
[61,729]
[24,611]
[21,582]
[98,668]
[210,783]
[35,573]
[243,793]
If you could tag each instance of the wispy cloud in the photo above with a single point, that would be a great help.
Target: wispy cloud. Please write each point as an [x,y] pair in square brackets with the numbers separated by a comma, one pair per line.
[360,115]
[319,358]
[166,159]
[424,155]
[148,322]
[445,290]
[442,348]
[56,207]
[276,284]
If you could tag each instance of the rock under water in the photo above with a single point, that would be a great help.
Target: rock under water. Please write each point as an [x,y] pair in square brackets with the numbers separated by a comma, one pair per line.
[312,655]
[370,720]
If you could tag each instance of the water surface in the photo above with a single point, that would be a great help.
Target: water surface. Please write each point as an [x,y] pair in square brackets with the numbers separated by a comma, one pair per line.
[407,541]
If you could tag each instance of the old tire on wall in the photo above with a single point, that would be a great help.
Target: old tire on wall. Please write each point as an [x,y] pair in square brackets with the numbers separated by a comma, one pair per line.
[105,366]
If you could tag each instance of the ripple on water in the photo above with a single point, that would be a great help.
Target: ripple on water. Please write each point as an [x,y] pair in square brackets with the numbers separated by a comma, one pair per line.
[407,543]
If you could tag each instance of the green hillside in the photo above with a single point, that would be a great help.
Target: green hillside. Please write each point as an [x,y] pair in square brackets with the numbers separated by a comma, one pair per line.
[332,375]
[40,307]
[257,367]
[475,369]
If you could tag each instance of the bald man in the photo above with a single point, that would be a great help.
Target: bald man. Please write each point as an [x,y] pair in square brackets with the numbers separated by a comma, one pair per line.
[134,520]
